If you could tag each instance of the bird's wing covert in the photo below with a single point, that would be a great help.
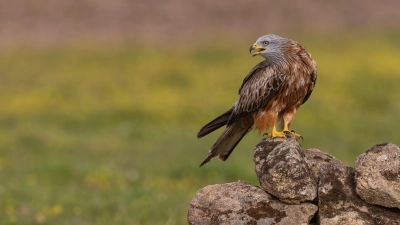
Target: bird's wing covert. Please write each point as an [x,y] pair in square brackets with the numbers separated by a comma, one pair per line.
[258,87]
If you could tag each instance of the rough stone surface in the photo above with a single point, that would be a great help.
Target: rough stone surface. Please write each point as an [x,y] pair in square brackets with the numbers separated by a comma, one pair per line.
[283,172]
[339,204]
[378,175]
[293,176]
[315,159]
[242,203]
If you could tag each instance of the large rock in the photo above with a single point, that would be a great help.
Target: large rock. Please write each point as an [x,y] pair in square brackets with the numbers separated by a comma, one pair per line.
[241,203]
[294,176]
[283,172]
[316,159]
[339,204]
[378,175]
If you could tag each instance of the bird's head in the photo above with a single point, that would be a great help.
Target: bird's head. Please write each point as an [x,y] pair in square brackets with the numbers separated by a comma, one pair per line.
[270,47]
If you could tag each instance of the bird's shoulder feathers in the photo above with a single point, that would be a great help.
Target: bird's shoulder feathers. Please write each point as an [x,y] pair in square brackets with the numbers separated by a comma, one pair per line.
[257,89]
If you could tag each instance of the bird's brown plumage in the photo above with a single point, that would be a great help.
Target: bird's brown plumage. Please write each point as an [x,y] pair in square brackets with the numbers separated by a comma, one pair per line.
[272,92]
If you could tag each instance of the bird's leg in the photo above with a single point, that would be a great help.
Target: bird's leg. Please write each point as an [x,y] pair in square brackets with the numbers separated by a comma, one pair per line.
[275,133]
[286,130]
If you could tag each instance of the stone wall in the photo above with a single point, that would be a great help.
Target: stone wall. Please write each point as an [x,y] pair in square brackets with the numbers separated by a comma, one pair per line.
[306,187]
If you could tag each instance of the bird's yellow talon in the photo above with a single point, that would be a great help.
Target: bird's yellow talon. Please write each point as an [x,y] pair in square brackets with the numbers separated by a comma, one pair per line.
[298,136]
[283,133]
[276,133]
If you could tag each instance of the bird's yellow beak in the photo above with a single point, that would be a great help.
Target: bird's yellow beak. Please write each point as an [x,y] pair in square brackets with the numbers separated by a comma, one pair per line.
[258,49]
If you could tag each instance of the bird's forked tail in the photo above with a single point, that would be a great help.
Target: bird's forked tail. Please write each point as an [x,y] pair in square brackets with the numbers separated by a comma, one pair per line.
[218,122]
[228,140]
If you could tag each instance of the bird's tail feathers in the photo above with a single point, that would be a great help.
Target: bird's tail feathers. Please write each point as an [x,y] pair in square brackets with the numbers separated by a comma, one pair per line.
[227,141]
[218,122]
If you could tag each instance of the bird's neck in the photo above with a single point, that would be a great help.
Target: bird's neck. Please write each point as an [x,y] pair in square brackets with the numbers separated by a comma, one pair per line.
[274,58]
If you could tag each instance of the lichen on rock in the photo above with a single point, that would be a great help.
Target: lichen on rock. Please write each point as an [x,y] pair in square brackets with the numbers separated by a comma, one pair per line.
[243,203]
[306,186]
[283,172]
[378,175]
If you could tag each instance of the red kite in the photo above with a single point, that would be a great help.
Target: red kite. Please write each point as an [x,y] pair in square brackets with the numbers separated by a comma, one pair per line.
[272,92]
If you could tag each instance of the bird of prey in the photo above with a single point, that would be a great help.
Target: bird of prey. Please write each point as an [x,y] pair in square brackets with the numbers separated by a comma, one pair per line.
[271,93]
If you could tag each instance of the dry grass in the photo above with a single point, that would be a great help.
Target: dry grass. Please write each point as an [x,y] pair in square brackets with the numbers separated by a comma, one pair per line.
[106,135]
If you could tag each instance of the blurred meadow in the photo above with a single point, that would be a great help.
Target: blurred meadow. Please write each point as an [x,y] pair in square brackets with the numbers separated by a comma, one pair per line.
[103,131]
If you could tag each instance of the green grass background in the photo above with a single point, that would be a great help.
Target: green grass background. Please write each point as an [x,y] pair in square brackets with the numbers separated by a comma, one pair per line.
[97,134]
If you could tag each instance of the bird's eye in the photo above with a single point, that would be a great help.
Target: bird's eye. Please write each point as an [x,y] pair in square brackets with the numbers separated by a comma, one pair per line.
[265,42]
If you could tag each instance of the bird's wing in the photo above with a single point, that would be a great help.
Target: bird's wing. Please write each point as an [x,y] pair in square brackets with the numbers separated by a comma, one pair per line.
[310,69]
[258,87]
[311,86]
